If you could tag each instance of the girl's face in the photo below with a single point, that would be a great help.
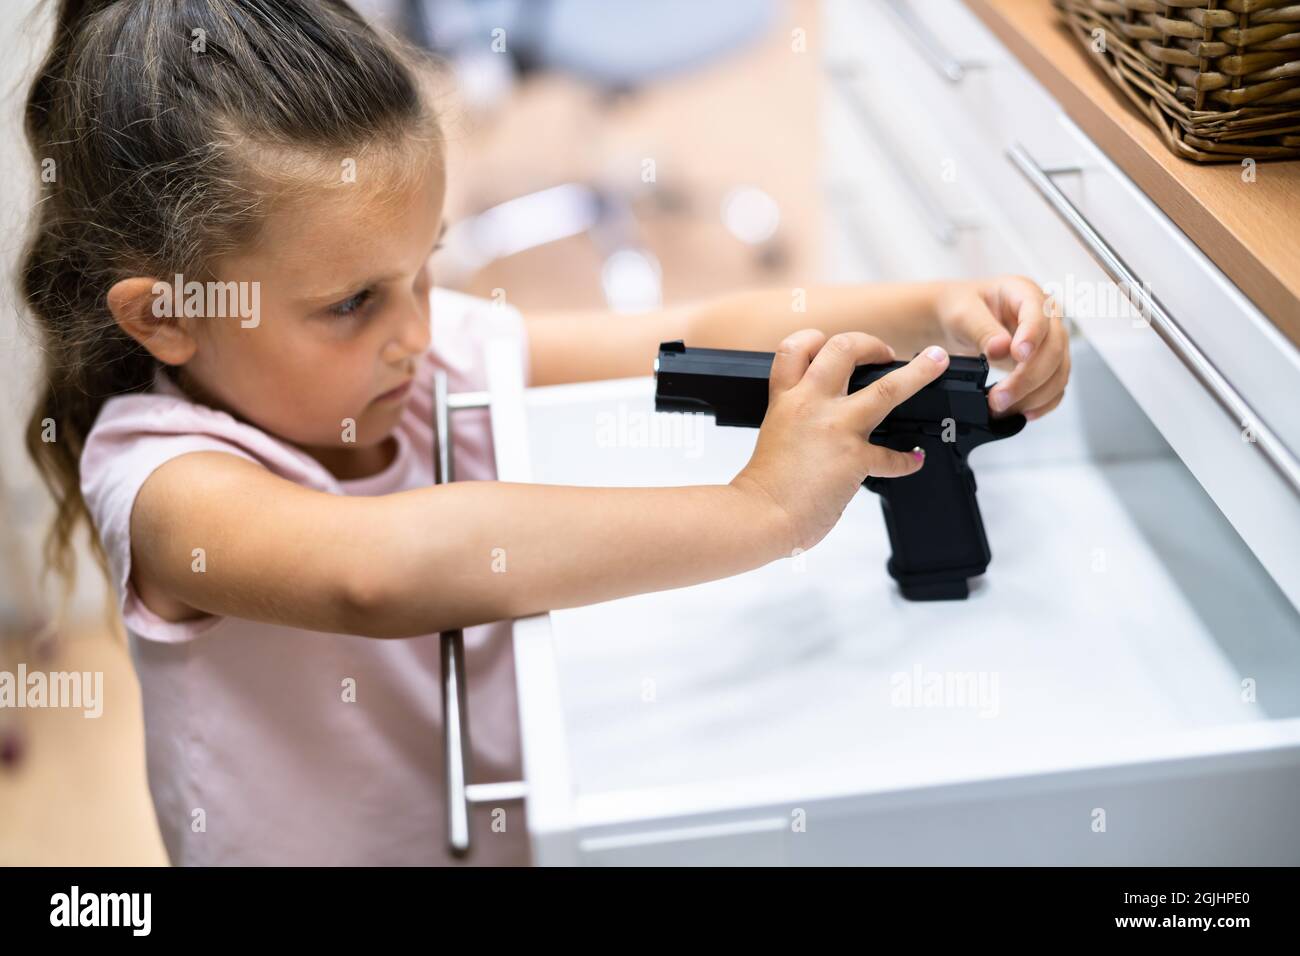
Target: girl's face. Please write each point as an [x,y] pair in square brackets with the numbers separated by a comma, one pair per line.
[343,295]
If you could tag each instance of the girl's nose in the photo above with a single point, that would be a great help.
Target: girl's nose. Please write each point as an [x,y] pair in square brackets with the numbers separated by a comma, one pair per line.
[414,335]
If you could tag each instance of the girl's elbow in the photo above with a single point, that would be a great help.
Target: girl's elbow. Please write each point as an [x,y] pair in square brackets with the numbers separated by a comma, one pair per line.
[366,605]
[373,606]
[382,600]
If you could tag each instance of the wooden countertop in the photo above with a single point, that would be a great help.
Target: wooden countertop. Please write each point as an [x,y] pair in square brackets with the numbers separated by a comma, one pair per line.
[1249,230]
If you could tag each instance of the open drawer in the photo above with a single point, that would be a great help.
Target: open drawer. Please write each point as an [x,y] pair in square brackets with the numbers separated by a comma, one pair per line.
[1123,685]
[1210,370]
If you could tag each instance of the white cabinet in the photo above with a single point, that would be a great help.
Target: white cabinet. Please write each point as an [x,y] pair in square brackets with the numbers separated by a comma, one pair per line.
[1126,662]
[904,201]
[968,104]
[1123,685]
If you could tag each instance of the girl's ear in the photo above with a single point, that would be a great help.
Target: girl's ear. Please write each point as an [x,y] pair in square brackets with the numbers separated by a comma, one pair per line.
[142,307]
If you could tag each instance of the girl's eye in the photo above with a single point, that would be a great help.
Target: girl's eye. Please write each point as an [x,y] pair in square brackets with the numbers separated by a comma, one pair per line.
[351,305]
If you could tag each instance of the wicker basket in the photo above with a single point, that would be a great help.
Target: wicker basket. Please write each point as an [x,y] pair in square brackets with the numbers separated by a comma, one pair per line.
[1219,78]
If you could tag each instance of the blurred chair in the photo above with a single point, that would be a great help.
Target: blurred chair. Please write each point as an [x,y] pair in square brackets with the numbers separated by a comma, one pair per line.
[616,48]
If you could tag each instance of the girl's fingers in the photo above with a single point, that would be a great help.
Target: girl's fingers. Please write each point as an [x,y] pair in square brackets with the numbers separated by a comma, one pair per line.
[979,327]
[830,370]
[792,358]
[1019,297]
[1033,323]
[1033,374]
[875,401]
[887,463]
[1044,409]
[1053,387]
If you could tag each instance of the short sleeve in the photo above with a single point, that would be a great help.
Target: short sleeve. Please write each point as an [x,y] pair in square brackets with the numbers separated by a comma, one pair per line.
[462,325]
[117,459]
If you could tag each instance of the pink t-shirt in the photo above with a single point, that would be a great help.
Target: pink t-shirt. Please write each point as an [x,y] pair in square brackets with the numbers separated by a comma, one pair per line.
[255,754]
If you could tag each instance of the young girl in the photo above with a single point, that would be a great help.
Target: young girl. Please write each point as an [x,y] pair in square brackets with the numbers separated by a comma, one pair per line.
[259,478]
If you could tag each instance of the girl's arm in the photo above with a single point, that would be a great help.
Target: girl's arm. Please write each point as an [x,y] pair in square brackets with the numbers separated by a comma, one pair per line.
[428,559]
[997,317]
[580,347]
[455,555]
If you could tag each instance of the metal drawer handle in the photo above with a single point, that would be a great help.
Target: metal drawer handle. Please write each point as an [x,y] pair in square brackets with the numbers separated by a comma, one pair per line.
[1170,332]
[455,715]
[927,44]
[945,229]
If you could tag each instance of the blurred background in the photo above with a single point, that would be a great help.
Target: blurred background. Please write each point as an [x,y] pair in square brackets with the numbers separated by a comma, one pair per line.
[600,156]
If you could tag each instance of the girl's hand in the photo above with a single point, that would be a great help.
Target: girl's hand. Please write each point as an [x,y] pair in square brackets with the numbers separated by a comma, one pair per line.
[812,452]
[1010,320]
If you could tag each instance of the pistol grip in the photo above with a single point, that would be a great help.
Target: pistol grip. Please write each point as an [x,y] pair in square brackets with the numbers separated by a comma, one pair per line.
[934,523]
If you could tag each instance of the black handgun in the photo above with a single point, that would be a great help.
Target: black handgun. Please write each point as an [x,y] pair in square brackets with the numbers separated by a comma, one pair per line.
[933,519]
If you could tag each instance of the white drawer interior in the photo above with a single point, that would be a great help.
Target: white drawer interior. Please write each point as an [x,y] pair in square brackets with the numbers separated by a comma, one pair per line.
[1121,621]
[996,104]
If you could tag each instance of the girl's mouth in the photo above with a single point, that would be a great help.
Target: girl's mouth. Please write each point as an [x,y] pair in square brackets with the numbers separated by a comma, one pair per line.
[395,394]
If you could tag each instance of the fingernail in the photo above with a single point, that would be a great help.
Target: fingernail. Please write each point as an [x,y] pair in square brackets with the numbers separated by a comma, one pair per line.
[1024,350]
[1001,400]
[935,353]
[918,453]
